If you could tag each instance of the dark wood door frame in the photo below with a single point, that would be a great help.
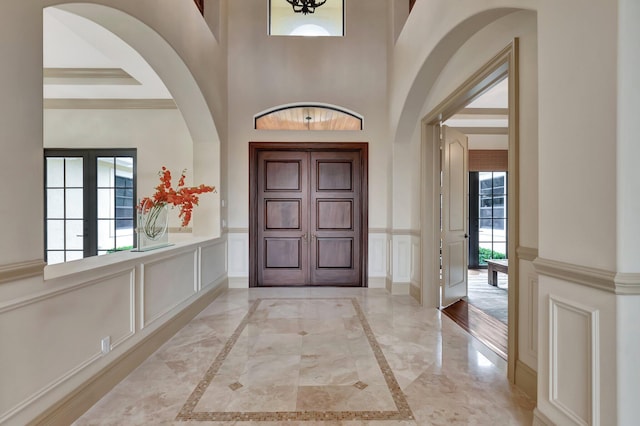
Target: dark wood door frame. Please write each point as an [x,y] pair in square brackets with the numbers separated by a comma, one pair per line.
[256,147]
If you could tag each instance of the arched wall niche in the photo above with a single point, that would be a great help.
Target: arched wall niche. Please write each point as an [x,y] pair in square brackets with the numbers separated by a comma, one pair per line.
[195,101]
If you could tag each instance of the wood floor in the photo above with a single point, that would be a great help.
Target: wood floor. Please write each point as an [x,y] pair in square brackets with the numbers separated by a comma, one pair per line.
[483,313]
[482,326]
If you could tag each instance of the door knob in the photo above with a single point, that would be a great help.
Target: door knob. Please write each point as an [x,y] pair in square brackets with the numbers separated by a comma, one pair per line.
[466,236]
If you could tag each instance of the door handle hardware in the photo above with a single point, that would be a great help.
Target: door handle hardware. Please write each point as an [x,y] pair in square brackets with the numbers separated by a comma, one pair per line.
[304,236]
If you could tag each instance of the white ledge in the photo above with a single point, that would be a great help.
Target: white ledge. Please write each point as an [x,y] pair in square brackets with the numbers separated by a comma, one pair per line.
[124,259]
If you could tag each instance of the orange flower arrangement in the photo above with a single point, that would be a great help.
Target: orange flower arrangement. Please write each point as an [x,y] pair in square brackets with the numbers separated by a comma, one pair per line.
[184,197]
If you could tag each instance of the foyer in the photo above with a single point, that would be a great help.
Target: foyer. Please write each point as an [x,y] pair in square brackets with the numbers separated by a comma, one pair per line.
[316,356]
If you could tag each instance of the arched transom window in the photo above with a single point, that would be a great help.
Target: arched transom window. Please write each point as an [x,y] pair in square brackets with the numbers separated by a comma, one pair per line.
[308,117]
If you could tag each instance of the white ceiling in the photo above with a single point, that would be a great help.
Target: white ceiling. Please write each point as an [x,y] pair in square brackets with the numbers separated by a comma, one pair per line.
[72,42]
[486,114]
[496,97]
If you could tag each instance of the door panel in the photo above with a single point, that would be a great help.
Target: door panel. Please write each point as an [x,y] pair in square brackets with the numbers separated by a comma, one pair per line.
[282,253]
[454,215]
[335,253]
[335,214]
[282,220]
[335,219]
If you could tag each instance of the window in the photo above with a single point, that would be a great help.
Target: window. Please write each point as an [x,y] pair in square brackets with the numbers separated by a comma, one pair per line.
[123,202]
[301,18]
[89,202]
[307,117]
[487,217]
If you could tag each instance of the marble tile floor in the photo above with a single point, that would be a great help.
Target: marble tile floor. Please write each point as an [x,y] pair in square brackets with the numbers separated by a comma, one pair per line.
[316,356]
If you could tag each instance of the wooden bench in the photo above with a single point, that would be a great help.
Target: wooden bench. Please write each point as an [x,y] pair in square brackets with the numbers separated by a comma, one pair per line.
[495,266]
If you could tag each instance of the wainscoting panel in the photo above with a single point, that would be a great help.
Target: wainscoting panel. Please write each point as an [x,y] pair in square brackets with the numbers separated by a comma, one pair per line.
[213,261]
[377,255]
[528,314]
[166,283]
[55,336]
[402,258]
[50,336]
[574,360]
[415,290]
[238,254]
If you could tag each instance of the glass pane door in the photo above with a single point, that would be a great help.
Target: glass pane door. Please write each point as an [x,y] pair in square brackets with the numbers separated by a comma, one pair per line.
[115,204]
[488,217]
[64,191]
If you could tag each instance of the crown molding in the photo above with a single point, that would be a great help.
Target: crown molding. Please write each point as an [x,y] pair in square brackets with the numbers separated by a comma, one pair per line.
[379,231]
[60,103]
[407,232]
[482,130]
[527,253]
[621,283]
[237,230]
[88,76]
[16,271]
[494,112]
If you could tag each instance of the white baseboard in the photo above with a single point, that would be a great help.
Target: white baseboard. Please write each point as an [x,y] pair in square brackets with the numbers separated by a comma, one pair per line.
[540,419]
[527,379]
[398,289]
[238,282]
[414,291]
[377,282]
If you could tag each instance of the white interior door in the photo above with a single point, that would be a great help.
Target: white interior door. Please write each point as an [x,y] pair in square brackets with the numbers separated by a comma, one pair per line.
[455,208]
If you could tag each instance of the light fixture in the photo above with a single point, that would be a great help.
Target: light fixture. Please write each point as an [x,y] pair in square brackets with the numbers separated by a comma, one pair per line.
[305,6]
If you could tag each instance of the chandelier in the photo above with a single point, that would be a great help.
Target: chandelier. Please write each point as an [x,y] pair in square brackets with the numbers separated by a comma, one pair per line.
[305,6]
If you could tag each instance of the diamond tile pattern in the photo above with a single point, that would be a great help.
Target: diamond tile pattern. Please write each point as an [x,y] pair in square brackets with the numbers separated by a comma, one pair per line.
[322,355]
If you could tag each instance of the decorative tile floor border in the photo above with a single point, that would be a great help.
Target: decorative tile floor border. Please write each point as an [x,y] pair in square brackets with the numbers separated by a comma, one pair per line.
[403,411]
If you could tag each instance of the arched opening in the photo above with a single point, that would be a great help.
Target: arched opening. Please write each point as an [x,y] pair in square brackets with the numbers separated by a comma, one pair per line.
[107,88]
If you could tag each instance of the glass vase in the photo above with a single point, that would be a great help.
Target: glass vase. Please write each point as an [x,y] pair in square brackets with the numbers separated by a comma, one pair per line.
[153,219]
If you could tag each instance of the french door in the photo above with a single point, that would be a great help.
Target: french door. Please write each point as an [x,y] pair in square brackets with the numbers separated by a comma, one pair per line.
[308,216]
[89,202]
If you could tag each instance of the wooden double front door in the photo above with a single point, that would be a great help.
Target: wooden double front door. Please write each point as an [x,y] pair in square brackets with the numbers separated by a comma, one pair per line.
[308,214]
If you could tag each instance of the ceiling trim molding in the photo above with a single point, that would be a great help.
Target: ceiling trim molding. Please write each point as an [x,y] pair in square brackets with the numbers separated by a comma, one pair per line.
[109,104]
[484,111]
[483,130]
[88,76]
